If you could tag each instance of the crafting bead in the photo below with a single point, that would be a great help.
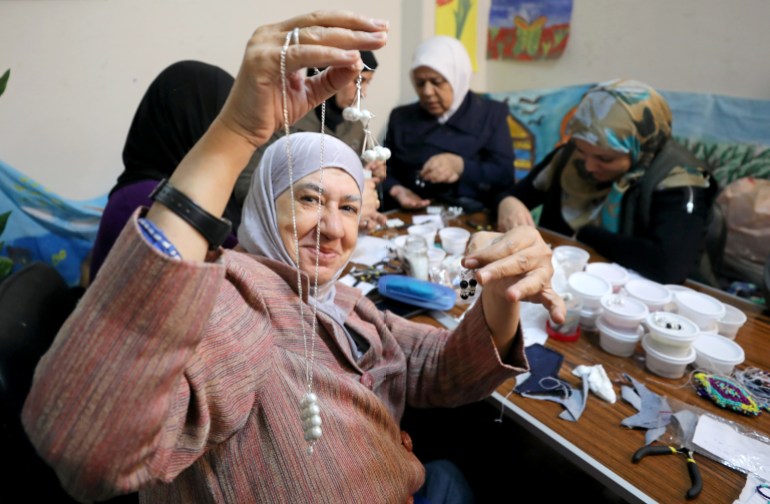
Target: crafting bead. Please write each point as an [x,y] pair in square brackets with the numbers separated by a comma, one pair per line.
[308,398]
[365,116]
[313,434]
[351,114]
[310,410]
[369,155]
[385,153]
[313,421]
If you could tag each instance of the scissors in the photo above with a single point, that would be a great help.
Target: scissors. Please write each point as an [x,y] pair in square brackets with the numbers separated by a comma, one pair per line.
[692,466]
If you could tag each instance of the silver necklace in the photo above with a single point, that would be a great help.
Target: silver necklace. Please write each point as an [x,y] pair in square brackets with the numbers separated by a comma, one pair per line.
[310,412]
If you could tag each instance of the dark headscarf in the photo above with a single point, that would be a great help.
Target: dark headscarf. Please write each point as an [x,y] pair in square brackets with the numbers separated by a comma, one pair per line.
[175,112]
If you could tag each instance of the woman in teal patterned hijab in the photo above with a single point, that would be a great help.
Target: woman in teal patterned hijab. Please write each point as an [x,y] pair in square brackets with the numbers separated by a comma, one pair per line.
[612,178]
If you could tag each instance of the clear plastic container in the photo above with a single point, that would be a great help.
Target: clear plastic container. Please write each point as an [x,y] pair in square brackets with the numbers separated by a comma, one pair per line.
[416,259]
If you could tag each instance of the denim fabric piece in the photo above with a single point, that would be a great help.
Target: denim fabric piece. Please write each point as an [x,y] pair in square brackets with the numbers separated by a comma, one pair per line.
[654,410]
[543,363]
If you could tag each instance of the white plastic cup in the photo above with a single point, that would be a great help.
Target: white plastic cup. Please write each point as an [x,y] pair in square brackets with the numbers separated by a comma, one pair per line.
[717,354]
[666,365]
[454,239]
[731,322]
[427,231]
[620,342]
[571,259]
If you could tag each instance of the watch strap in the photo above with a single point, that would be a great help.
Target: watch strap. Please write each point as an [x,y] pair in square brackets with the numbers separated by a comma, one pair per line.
[214,229]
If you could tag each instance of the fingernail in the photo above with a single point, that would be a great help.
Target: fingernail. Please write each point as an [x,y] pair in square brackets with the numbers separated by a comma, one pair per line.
[471,263]
[352,54]
[482,277]
[380,23]
[380,35]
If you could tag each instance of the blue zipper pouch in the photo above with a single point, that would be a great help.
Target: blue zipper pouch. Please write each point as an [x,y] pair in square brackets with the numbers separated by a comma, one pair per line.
[417,292]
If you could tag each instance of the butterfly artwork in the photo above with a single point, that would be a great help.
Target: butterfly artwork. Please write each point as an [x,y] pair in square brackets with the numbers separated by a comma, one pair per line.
[525,30]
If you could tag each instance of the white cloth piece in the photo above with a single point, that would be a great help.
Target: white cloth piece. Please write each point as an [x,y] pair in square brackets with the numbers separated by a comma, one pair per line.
[598,381]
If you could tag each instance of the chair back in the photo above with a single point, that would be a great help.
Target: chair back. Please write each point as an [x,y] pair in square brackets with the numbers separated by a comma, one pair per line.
[34,303]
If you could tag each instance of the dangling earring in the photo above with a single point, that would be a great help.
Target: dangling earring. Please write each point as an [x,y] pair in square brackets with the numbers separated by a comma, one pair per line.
[468,284]
[371,149]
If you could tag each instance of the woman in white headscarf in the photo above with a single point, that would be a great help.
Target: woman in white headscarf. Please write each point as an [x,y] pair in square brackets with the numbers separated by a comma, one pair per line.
[452,145]
[184,372]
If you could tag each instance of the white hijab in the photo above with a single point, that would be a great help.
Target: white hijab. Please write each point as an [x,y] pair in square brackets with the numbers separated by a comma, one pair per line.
[258,233]
[447,56]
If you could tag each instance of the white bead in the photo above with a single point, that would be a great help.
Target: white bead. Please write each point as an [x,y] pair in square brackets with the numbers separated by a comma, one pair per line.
[365,116]
[309,410]
[308,398]
[313,421]
[351,114]
[313,434]
[310,450]
[369,155]
[385,153]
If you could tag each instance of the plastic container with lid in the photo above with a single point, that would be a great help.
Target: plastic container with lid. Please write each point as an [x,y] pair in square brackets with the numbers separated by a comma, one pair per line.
[623,312]
[620,342]
[717,354]
[615,274]
[589,288]
[731,322]
[664,365]
[671,333]
[653,294]
[698,307]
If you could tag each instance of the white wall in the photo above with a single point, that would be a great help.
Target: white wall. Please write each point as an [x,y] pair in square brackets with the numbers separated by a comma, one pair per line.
[80,67]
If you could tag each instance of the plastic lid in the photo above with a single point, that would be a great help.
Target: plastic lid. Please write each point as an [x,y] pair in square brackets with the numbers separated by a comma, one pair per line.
[719,349]
[624,307]
[613,273]
[589,286]
[672,326]
[626,335]
[648,291]
[700,303]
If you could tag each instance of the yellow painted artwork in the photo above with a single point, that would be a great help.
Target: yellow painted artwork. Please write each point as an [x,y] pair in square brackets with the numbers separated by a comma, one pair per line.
[459,19]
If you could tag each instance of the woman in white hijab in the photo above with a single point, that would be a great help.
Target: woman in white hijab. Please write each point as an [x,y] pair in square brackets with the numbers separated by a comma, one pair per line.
[185,372]
[452,145]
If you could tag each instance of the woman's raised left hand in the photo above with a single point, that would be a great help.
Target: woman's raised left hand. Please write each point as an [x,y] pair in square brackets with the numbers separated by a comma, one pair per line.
[515,266]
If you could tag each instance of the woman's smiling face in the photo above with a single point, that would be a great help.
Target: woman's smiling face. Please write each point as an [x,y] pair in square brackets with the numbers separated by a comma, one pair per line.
[341,205]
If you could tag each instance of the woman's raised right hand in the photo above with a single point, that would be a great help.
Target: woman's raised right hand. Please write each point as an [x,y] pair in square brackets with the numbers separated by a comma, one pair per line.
[330,39]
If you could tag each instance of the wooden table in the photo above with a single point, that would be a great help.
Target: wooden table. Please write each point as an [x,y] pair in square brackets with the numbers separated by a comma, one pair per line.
[601,446]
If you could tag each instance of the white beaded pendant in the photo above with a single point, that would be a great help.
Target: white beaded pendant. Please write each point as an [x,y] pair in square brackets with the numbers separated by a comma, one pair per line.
[311,419]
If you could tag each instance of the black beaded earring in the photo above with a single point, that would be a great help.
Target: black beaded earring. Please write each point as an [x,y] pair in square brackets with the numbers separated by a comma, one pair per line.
[467,284]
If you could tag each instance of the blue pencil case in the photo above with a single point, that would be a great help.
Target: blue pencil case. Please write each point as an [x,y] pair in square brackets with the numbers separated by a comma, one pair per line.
[416,292]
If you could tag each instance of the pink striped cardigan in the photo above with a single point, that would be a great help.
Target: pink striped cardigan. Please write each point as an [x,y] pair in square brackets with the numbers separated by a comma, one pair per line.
[183,379]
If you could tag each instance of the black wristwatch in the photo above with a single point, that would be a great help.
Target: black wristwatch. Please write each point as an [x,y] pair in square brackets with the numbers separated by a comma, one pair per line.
[213,229]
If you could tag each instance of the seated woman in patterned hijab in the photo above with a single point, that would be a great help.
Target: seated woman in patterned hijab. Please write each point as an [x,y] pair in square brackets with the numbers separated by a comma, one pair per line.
[621,184]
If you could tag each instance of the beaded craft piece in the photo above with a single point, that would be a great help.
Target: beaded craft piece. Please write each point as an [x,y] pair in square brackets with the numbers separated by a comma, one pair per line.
[725,393]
